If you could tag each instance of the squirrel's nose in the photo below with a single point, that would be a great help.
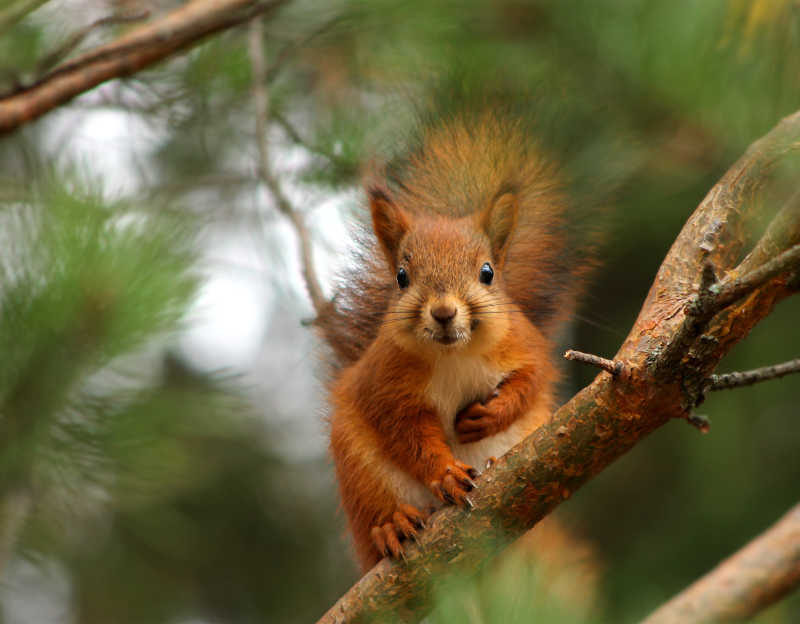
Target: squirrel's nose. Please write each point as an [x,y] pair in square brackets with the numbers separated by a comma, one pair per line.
[443,312]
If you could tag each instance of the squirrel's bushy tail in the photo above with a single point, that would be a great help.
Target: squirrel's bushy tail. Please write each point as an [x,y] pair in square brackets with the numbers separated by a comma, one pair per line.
[455,166]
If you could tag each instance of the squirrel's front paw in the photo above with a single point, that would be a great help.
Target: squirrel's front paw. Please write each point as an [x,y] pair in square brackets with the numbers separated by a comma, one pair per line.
[388,538]
[453,484]
[477,421]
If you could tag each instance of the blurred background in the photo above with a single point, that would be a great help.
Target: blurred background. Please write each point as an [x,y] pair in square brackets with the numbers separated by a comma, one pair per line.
[163,446]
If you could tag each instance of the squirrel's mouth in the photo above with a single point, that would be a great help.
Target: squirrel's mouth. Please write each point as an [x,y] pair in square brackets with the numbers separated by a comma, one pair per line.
[448,337]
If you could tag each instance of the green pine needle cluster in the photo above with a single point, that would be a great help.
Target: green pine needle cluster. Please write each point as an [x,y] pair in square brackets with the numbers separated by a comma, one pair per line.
[85,282]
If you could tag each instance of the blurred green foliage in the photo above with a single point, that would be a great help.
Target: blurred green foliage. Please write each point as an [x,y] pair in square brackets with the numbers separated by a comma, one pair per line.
[166,495]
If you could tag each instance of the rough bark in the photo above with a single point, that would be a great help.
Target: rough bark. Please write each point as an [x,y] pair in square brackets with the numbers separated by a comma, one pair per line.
[675,344]
[153,42]
[755,577]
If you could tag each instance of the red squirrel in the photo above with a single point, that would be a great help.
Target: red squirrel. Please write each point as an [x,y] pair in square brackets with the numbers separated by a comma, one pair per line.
[441,334]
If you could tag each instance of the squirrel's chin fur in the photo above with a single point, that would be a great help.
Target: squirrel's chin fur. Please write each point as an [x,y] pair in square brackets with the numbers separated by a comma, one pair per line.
[471,339]
[476,328]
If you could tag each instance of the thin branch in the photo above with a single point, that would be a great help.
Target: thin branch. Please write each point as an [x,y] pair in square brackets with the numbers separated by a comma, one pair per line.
[271,72]
[699,422]
[605,419]
[713,296]
[610,366]
[57,55]
[730,291]
[185,26]
[757,375]
[292,132]
[782,233]
[295,137]
[755,577]
[267,175]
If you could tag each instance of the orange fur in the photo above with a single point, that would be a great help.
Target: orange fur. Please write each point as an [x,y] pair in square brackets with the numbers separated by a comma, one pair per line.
[440,369]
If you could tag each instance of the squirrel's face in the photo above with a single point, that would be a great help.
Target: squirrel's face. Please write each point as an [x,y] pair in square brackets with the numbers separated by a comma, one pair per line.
[448,285]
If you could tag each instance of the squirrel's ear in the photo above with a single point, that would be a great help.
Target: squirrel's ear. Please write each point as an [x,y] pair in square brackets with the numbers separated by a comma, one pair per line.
[389,221]
[498,221]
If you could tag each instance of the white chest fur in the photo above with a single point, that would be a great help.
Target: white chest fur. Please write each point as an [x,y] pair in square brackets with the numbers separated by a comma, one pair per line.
[457,381]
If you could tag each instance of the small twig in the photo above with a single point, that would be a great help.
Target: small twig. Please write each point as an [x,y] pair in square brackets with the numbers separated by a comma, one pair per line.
[699,421]
[267,175]
[614,367]
[757,375]
[274,68]
[57,55]
[730,291]
[291,131]
[295,137]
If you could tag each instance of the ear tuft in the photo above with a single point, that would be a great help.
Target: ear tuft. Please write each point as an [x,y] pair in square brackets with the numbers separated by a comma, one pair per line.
[389,222]
[498,221]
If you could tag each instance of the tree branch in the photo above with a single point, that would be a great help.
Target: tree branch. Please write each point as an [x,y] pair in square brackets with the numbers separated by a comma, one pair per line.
[610,366]
[730,291]
[295,137]
[782,233]
[261,97]
[183,27]
[757,576]
[666,361]
[290,48]
[701,329]
[49,60]
[748,378]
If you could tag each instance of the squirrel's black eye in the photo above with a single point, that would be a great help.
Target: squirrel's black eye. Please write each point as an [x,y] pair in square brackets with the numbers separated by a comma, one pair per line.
[486,273]
[402,278]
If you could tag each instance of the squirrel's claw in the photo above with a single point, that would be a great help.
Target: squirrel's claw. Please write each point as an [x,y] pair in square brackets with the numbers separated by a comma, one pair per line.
[388,538]
[453,486]
[385,540]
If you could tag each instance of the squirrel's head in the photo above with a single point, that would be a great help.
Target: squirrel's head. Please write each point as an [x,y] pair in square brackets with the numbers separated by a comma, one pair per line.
[447,274]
